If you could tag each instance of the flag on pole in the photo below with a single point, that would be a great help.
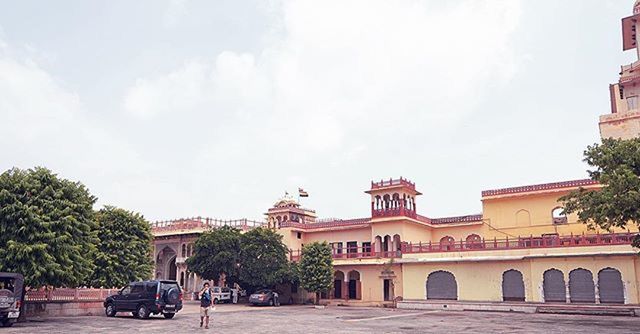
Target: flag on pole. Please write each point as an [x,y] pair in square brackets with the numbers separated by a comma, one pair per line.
[302,193]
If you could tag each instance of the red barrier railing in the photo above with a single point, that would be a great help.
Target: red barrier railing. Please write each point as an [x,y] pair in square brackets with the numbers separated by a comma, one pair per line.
[352,253]
[549,241]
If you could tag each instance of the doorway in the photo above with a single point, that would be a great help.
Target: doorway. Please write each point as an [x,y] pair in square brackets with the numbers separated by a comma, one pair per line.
[387,287]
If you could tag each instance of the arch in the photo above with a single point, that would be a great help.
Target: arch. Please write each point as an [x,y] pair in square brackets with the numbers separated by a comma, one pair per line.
[581,287]
[172,269]
[558,216]
[184,250]
[387,201]
[512,286]
[285,218]
[163,262]
[354,288]
[442,285]
[447,243]
[338,278]
[378,244]
[395,200]
[397,243]
[523,218]
[386,243]
[473,241]
[610,286]
[553,286]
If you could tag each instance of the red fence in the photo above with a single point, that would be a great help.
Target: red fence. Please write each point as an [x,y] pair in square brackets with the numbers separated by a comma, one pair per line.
[550,241]
[69,295]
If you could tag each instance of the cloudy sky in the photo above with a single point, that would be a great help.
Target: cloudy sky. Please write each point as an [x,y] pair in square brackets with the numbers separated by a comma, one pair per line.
[216,108]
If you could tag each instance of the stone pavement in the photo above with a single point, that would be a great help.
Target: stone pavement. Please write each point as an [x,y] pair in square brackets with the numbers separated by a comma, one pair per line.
[306,319]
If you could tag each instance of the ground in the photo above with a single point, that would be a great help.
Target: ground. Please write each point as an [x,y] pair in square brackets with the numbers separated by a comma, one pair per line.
[307,319]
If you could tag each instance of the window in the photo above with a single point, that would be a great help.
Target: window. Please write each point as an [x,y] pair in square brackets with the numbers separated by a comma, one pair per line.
[352,248]
[151,287]
[366,247]
[126,290]
[7,283]
[559,216]
[632,102]
[338,247]
[137,288]
[299,235]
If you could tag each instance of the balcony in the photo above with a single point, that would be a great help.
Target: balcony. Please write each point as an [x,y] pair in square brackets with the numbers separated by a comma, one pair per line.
[396,212]
[391,182]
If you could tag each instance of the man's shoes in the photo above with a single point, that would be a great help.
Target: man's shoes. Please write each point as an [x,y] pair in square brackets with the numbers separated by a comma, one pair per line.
[206,327]
[200,323]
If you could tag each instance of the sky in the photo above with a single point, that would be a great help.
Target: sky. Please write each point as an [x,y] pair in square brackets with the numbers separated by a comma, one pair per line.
[181,108]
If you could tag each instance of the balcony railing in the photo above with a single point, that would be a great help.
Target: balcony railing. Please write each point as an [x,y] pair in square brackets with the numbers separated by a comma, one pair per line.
[203,223]
[531,242]
[396,212]
[550,241]
[393,182]
[69,295]
[352,253]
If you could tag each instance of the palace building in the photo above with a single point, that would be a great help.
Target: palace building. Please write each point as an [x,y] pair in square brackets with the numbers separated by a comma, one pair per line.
[520,248]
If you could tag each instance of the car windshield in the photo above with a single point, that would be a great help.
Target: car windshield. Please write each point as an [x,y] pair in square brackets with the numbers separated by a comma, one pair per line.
[7,283]
[165,286]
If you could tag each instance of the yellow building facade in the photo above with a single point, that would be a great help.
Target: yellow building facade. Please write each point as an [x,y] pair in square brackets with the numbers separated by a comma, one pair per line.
[521,248]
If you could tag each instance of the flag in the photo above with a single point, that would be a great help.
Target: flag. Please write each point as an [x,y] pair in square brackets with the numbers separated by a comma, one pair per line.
[302,193]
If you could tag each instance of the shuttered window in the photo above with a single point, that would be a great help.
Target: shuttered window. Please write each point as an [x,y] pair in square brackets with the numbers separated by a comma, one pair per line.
[581,287]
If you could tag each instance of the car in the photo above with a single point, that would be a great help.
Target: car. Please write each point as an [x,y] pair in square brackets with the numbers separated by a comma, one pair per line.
[264,297]
[145,298]
[220,295]
[11,297]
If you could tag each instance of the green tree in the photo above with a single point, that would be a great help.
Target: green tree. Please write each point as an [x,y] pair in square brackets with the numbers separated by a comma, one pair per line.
[616,166]
[123,250]
[263,259]
[316,268]
[47,231]
[217,252]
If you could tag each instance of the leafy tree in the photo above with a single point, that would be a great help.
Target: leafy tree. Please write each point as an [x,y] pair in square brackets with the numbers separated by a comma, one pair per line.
[123,250]
[316,267]
[617,168]
[47,231]
[217,252]
[263,259]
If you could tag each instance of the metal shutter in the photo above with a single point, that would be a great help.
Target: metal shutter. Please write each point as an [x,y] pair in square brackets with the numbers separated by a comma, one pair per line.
[581,287]
[512,286]
[610,286]
[442,285]
[553,284]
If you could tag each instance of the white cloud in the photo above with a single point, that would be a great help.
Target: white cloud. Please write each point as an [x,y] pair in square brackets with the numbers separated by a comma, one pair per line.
[175,11]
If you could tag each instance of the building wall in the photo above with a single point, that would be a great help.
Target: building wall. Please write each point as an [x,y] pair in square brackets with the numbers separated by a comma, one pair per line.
[372,282]
[482,281]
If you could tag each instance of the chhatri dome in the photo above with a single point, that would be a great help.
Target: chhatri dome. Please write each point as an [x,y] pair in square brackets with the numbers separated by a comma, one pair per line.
[286,201]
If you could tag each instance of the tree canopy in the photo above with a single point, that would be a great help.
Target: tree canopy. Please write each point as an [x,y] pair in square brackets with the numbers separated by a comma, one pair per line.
[616,166]
[47,231]
[124,248]
[217,252]
[263,259]
[316,267]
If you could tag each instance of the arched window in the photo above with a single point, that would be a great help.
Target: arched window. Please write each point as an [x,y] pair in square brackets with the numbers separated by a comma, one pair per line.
[473,241]
[447,243]
[184,250]
[558,216]
[354,285]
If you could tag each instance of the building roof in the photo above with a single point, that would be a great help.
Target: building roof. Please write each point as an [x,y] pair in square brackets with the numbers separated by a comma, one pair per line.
[327,224]
[540,187]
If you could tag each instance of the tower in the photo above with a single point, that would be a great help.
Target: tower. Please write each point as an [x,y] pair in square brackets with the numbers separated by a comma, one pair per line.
[393,198]
[624,120]
[287,211]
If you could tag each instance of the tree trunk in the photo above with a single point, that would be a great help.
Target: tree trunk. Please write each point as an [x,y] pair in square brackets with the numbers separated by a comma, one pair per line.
[317,298]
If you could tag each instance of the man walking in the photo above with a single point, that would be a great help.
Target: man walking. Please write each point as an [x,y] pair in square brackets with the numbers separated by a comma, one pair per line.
[205,304]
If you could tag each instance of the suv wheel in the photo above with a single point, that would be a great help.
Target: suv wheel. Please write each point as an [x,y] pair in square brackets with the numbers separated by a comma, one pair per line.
[270,302]
[142,312]
[169,315]
[215,301]
[7,323]
[110,310]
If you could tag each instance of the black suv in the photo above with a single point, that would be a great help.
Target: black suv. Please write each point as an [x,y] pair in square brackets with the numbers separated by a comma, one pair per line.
[145,298]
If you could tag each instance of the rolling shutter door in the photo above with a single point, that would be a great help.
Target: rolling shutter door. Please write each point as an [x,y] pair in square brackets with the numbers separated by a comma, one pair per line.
[553,284]
[581,287]
[442,285]
[610,286]
[512,286]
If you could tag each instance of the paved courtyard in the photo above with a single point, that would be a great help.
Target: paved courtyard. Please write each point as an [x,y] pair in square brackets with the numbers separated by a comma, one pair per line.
[306,319]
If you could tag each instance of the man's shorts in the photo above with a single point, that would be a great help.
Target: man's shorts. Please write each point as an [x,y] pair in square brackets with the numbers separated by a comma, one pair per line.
[204,311]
